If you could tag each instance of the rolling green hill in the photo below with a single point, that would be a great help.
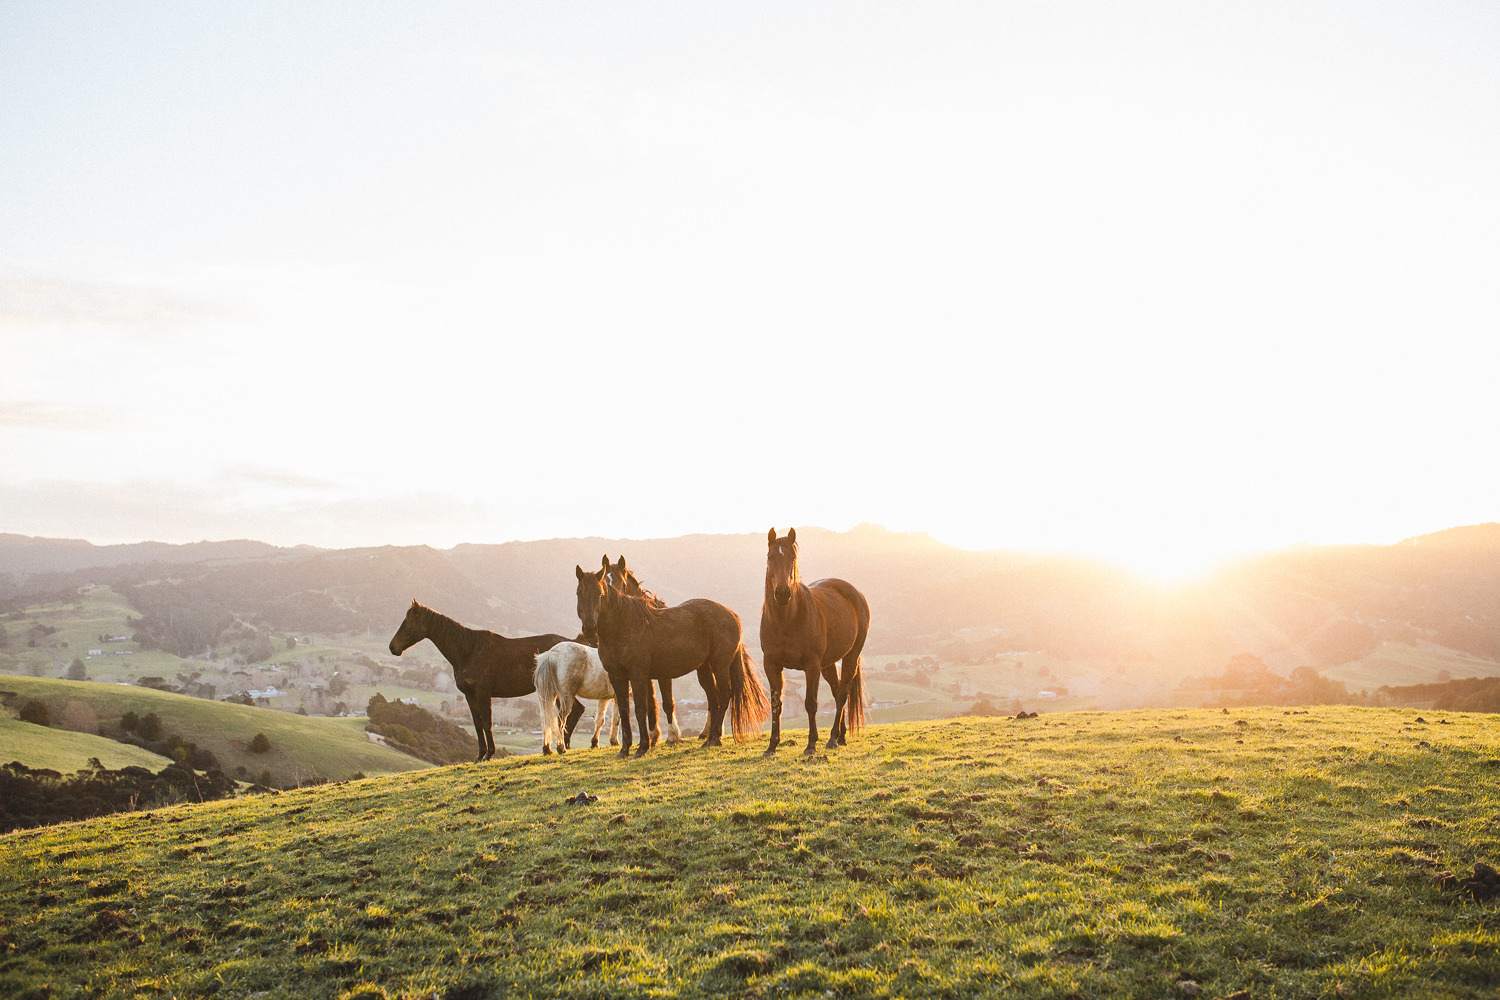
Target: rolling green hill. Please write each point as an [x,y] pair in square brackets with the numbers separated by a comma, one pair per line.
[66,752]
[302,748]
[1262,853]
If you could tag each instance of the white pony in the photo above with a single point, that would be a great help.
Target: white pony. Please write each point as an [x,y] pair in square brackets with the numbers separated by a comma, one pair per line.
[572,670]
[566,671]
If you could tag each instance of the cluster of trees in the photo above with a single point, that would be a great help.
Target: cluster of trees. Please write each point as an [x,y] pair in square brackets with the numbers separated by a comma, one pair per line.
[1247,680]
[1471,694]
[147,731]
[414,730]
[39,796]
[179,623]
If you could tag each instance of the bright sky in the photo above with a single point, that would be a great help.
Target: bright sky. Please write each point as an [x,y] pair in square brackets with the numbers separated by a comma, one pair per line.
[1162,282]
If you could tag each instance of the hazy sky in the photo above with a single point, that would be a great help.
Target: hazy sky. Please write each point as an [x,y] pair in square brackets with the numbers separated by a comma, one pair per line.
[1158,281]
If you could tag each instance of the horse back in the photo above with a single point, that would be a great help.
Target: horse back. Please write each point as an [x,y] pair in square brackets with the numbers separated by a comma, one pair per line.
[845,614]
[689,635]
[508,665]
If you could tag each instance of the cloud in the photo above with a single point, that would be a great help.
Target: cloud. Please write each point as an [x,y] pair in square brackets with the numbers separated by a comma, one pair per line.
[277,479]
[28,301]
[37,415]
[160,510]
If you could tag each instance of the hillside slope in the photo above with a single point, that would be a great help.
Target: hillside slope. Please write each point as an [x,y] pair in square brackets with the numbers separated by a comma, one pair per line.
[302,748]
[66,752]
[1126,854]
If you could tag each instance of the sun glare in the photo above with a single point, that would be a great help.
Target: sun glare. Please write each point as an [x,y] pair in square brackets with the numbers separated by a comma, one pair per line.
[1169,565]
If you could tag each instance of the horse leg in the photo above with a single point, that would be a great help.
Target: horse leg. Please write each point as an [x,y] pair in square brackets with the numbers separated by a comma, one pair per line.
[719,706]
[710,690]
[478,729]
[840,695]
[601,712]
[622,710]
[669,709]
[645,711]
[486,737]
[573,716]
[548,714]
[773,681]
[812,713]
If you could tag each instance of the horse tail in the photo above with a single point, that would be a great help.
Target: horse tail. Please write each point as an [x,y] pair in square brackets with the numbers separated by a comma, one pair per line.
[854,701]
[748,706]
[855,704]
[549,693]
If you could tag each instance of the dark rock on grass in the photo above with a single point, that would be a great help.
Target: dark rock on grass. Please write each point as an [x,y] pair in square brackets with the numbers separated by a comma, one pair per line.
[1482,884]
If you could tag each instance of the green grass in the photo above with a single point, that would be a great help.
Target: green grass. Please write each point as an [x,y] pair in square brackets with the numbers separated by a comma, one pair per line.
[67,752]
[301,747]
[1099,854]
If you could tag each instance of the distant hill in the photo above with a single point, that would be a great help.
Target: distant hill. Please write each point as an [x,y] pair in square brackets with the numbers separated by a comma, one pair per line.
[1370,615]
[24,554]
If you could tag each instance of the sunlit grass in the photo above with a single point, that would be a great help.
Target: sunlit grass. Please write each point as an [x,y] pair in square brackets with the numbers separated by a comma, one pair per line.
[1083,855]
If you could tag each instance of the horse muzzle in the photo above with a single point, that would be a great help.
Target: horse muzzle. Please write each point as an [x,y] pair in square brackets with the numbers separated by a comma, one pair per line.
[782,595]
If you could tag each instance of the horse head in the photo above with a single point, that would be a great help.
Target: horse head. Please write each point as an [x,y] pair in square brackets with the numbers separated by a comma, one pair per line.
[591,587]
[782,575]
[412,631]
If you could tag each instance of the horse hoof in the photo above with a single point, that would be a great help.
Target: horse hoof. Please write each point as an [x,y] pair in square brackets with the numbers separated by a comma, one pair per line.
[641,752]
[770,752]
[831,745]
[594,745]
[809,751]
[561,751]
[624,754]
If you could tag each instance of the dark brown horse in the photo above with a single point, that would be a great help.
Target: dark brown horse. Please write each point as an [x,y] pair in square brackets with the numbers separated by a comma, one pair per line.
[812,628]
[640,642]
[485,665]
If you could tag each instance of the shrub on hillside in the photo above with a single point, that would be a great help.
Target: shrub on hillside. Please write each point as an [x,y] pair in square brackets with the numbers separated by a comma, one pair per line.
[39,796]
[414,730]
[260,744]
[36,712]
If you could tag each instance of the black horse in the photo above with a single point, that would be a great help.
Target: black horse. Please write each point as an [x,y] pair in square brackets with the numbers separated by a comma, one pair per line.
[485,665]
[811,628]
[640,642]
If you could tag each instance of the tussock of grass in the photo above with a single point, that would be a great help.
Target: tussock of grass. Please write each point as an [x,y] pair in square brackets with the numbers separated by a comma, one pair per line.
[1081,855]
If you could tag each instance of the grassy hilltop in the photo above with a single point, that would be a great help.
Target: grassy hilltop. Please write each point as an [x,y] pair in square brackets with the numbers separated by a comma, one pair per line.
[1172,853]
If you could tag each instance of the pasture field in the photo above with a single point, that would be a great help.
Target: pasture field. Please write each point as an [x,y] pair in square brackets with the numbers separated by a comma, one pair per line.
[1153,853]
[67,752]
[302,747]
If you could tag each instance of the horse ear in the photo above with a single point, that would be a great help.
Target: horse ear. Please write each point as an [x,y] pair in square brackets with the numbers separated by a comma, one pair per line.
[791,535]
[621,565]
[578,571]
[771,537]
[413,602]
[605,563]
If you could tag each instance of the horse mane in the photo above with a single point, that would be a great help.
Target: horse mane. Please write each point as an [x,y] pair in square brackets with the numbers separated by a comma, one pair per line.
[439,626]
[632,614]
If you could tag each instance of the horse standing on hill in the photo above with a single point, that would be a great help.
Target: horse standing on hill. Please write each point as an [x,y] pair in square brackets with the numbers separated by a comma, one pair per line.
[485,665]
[622,579]
[568,671]
[639,642]
[811,628]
